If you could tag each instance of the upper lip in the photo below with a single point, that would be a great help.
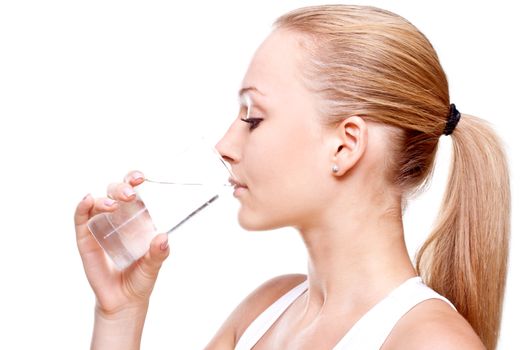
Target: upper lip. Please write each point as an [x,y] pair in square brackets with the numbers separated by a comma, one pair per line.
[236,183]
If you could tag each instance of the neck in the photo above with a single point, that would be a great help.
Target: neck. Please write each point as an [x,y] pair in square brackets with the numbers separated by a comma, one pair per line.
[356,259]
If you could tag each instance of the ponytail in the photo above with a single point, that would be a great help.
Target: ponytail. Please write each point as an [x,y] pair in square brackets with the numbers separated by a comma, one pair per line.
[465,257]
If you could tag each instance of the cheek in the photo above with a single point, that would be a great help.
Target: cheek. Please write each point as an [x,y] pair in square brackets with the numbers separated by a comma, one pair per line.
[283,203]
[286,184]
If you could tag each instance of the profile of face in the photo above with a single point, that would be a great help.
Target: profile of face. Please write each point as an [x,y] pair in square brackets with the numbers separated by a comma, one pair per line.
[285,159]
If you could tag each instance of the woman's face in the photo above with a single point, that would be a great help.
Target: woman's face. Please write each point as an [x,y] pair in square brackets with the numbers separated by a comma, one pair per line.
[284,160]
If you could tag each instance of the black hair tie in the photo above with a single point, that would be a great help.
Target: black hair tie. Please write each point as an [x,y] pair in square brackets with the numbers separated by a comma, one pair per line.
[452,121]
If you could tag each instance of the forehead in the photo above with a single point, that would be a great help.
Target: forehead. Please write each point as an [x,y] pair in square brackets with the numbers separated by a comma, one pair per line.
[275,66]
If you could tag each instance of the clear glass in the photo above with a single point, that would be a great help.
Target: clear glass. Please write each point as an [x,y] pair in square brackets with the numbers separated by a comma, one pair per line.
[197,177]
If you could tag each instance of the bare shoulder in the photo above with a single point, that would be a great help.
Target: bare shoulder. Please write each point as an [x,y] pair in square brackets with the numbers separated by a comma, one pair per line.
[433,324]
[251,307]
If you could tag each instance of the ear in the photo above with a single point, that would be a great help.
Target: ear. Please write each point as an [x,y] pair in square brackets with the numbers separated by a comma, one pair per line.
[351,139]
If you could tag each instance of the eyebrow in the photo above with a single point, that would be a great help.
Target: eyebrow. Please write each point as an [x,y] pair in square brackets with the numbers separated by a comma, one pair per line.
[249,88]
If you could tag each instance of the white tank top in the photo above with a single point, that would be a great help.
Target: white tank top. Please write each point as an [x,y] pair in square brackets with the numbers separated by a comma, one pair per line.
[368,333]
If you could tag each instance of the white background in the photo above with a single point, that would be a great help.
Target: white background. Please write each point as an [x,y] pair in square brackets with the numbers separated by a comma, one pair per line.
[92,89]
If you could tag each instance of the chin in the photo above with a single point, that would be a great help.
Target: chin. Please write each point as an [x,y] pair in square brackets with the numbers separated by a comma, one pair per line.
[254,223]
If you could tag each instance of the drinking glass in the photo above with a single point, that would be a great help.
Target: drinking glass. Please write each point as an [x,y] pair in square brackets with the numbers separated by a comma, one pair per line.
[197,177]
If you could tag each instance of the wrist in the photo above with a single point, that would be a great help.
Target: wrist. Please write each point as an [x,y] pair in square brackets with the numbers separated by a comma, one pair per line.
[129,311]
[119,329]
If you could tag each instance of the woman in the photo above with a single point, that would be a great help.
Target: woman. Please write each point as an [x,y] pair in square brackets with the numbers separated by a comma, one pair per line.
[347,106]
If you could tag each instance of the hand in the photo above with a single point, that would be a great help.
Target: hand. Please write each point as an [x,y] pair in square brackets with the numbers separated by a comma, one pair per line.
[117,291]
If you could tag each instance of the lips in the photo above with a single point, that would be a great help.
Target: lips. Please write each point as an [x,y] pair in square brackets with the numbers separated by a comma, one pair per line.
[236,184]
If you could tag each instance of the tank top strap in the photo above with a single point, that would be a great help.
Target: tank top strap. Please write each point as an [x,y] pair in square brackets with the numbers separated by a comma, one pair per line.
[371,331]
[267,318]
[368,333]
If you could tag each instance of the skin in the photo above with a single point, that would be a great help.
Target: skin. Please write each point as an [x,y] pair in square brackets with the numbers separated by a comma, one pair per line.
[350,222]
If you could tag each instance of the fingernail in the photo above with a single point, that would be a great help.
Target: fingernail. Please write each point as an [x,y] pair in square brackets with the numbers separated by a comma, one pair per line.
[164,245]
[137,176]
[86,196]
[109,202]
[128,192]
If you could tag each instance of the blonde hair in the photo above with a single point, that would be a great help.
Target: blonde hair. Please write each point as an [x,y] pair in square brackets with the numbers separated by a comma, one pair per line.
[375,64]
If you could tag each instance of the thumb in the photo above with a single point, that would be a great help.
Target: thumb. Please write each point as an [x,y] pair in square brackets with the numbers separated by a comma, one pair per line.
[158,252]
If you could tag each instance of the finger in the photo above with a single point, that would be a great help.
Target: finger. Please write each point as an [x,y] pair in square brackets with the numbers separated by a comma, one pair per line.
[83,213]
[121,191]
[83,209]
[134,178]
[90,251]
[103,205]
[158,252]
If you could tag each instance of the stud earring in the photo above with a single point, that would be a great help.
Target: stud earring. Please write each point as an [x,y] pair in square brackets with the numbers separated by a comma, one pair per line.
[335,168]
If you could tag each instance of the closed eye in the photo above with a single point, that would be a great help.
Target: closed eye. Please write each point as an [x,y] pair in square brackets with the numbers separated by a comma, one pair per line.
[254,122]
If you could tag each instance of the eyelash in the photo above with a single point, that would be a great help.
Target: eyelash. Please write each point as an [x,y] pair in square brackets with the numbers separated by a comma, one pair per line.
[254,122]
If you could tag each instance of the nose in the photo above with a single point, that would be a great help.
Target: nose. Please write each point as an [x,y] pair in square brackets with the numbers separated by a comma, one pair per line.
[229,146]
